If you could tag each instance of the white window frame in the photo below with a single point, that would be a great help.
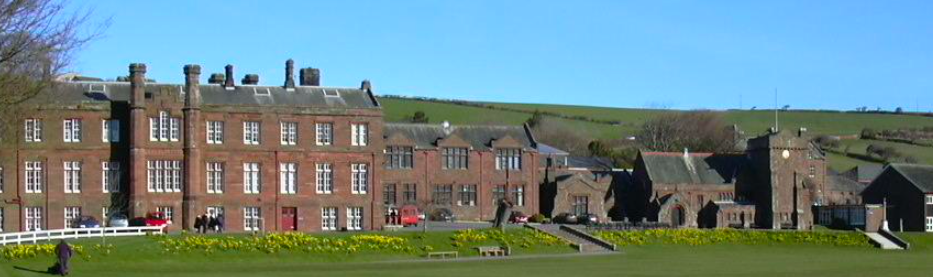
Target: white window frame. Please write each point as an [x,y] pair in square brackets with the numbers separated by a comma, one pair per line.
[215,177]
[354,218]
[72,214]
[33,130]
[359,133]
[359,178]
[164,176]
[110,176]
[71,171]
[929,199]
[215,132]
[34,175]
[252,218]
[288,178]
[506,160]
[519,196]
[329,218]
[251,132]
[71,130]
[33,217]
[168,212]
[288,132]
[324,133]
[252,178]
[164,127]
[929,224]
[324,178]
[110,130]
[215,211]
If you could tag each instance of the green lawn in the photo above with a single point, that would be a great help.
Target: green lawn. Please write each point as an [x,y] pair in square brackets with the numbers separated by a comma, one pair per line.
[140,259]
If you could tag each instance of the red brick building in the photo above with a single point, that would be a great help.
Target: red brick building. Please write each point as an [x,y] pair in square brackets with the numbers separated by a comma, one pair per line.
[291,157]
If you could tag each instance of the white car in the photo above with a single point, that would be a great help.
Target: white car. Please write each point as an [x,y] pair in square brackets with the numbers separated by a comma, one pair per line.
[118,220]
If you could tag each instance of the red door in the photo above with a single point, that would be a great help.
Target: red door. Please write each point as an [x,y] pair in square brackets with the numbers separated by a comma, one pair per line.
[289,219]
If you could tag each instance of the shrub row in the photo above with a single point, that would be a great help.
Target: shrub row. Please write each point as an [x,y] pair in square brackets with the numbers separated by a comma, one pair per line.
[731,236]
[273,243]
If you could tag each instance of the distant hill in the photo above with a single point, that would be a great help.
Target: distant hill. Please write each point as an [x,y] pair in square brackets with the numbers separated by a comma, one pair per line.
[614,123]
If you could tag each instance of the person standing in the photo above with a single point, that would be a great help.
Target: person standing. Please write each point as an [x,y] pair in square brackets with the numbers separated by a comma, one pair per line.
[220,223]
[198,222]
[64,253]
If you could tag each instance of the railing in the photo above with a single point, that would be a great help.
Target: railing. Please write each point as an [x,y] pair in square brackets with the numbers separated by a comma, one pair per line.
[903,244]
[49,235]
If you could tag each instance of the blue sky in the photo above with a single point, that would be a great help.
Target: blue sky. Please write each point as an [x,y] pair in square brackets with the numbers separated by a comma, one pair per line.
[670,54]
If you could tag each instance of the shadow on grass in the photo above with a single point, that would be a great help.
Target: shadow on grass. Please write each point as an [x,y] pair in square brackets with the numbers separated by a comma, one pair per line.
[34,271]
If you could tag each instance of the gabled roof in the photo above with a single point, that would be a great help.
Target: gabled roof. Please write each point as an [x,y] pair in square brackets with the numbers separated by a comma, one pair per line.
[920,176]
[842,183]
[545,149]
[72,93]
[480,137]
[864,173]
[692,168]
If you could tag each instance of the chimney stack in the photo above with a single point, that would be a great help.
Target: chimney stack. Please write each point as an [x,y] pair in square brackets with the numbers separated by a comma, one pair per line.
[228,82]
[192,86]
[138,84]
[250,79]
[366,86]
[289,74]
[310,77]
[216,79]
[802,131]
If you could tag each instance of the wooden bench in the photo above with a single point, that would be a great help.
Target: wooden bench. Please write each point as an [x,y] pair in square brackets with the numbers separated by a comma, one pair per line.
[443,254]
[493,251]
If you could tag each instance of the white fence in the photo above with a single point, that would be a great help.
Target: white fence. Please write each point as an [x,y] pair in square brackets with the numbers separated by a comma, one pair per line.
[49,235]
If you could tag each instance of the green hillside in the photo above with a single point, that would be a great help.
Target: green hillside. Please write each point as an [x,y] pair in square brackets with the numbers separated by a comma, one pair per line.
[629,120]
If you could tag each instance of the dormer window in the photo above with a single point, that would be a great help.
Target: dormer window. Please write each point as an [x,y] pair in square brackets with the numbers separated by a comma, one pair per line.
[331,92]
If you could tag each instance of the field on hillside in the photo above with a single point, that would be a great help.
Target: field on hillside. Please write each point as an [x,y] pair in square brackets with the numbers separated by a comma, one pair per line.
[752,122]
[135,257]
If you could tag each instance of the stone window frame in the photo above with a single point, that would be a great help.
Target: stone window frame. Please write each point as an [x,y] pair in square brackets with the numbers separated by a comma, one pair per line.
[288,133]
[252,218]
[390,194]
[329,218]
[467,195]
[359,134]
[34,171]
[324,178]
[71,130]
[443,195]
[215,177]
[33,130]
[455,158]
[164,127]
[71,175]
[324,133]
[252,132]
[354,218]
[33,218]
[399,157]
[110,176]
[288,178]
[508,159]
[164,176]
[72,214]
[359,178]
[252,178]
[110,130]
[215,132]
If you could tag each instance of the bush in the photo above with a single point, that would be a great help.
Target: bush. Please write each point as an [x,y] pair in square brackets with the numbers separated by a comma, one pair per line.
[730,236]
[537,218]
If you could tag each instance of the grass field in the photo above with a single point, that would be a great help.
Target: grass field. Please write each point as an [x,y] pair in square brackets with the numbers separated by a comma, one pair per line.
[136,257]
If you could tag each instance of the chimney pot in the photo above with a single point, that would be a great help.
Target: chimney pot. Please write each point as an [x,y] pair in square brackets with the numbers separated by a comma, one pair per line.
[228,82]
[310,77]
[250,79]
[216,78]
[290,74]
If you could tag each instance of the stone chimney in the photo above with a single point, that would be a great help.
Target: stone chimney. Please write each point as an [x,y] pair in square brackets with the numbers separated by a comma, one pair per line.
[138,85]
[310,77]
[192,86]
[802,131]
[250,79]
[216,79]
[228,82]
[290,74]
[366,86]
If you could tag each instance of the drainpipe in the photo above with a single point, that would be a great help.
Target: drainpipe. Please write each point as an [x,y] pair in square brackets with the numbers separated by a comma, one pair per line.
[277,190]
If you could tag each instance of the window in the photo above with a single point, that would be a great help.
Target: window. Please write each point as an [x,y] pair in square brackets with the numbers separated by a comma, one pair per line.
[110,130]
[519,195]
[252,219]
[443,194]
[329,218]
[289,133]
[215,132]
[455,158]
[388,195]
[110,176]
[467,195]
[34,177]
[33,218]
[359,178]
[359,134]
[168,212]
[72,172]
[324,133]
[498,193]
[72,130]
[215,177]
[164,127]
[72,214]
[812,171]
[164,176]
[325,179]
[410,196]
[354,218]
[288,177]
[725,196]
[929,224]
[929,199]
[251,178]
[33,130]
[509,159]
[251,132]
[215,211]
[581,205]
[399,157]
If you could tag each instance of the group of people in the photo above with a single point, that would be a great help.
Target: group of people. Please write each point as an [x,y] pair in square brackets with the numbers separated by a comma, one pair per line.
[206,222]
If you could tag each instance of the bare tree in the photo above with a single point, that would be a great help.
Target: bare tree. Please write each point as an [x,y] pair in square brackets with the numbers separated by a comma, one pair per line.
[37,41]
[560,135]
[697,131]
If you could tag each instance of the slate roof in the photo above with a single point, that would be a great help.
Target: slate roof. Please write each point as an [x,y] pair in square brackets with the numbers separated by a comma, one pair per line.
[480,137]
[920,175]
[696,168]
[840,182]
[865,173]
[592,163]
[212,94]
[545,149]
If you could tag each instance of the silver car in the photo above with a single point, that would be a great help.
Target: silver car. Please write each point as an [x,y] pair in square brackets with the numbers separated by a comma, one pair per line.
[118,220]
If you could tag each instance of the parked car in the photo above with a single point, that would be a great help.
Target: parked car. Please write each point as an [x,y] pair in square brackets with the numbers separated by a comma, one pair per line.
[565,218]
[87,222]
[587,219]
[118,220]
[518,217]
[151,219]
[443,214]
[410,215]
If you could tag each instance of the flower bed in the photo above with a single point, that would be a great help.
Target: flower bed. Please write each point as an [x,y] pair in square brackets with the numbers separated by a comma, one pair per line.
[26,251]
[730,236]
[523,238]
[273,243]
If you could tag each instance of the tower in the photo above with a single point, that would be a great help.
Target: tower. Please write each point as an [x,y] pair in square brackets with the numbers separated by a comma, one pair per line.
[785,174]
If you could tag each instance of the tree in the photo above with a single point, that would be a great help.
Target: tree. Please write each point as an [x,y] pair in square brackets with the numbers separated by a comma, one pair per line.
[868,133]
[696,131]
[536,118]
[37,41]
[419,117]
[598,148]
[560,135]
[826,142]
[899,110]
